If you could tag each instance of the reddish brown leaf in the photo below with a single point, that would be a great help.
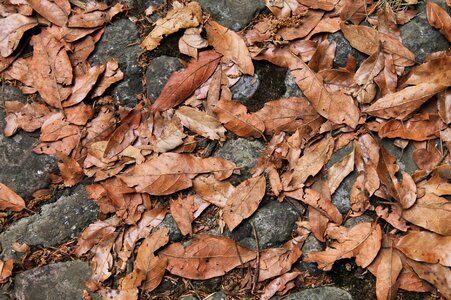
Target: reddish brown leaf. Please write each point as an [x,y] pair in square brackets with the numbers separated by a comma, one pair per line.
[244,201]
[309,21]
[206,257]
[435,274]
[70,170]
[186,210]
[212,190]
[277,285]
[171,172]
[329,25]
[27,117]
[439,19]
[362,241]
[431,212]
[438,248]
[79,114]
[123,135]
[12,29]
[6,270]
[323,57]
[339,171]
[182,84]
[421,127]
[201,123]
[94,19]
[131,294]
[235,118]
[277,261]
[112,75]
[9,200]
[365,75]
[54,11]
[392,217]
[355,10]
[229,44]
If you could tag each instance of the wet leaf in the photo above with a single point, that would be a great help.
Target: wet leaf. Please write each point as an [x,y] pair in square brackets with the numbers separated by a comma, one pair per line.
[438,249]
[178,18]
[171,172]
[439,19]
[431,212]
[54,11]
[201,123]
[182,84]
[244,201]
[12,29]
[9,200]
[229,44]
[235,118]
[206,257]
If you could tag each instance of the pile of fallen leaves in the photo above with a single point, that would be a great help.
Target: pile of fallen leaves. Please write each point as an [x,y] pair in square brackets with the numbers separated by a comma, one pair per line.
[134,155]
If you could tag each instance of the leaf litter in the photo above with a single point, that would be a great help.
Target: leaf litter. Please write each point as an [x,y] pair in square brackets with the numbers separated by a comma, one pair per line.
[137,156]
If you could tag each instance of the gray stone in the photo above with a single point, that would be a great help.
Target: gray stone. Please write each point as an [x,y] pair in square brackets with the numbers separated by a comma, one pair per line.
[245,87]
[175,235]
[310,244]
[273,222]
[121,41]
[56,223]
[233,14]
[292,89]
[343,50]
[420,37]
[243,152]
[53,282]
[158,72]
[404,157]
[22,170]
[320,293]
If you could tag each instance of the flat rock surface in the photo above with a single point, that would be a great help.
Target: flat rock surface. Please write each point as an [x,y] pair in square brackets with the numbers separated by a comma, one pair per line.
[158,72]
[53,282]
[56,223]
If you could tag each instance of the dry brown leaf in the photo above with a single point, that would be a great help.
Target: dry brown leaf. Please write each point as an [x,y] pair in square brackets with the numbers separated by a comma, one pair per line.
[70,170]
[20,70]
[54,11]
[51,68]
[178,18]
[212,190]
[182,84]
[313,160]
[167,132]
[401,104]
[229,44]
[102,262]
[244,201]
[9,200]
[277,261]
[171,172]
[131,294]
[427,158]
[12,29]
[420,127]
[94,234]
[438,249]
[435,274]
[201,123]
[436,70]
[362,241]
[191,41]
[439,19]
[339,171]
[336,107]
[123,135]
[323,57]
[206,257]
[112,75]
[438,184]
[27,117]
[355,10]
[392,217]
[83,85]
[186,210]
[94,19]
[279,284]
[431,212]
[6,270]
[79,114]
[307,24]
[235,118]
[329,25]
[321,4]
[289,115]
[365,75]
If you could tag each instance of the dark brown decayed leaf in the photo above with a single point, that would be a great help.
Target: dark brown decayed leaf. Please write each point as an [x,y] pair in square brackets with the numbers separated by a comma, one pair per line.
[9,200]
[182,84]
[244,201]
[11,30]
[206,257]
[54,11]
[229,44]
[439,18]
[438,249]
[235,118]
[172,172]
[51,68]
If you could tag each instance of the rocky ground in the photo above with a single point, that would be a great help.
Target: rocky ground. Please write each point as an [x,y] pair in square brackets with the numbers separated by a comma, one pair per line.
[56,275]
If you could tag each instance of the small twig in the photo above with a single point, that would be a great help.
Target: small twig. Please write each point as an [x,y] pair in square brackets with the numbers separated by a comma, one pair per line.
[194,290]
[257,263]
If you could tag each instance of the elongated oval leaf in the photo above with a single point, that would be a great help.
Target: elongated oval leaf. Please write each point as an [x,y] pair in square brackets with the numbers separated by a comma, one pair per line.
[12,29]
[9,200]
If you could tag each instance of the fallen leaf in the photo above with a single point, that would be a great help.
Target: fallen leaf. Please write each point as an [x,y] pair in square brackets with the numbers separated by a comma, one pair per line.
[339,171]
[439,19]
[70,170]
[427,158]
[95,233]
[436,70]
[362,241]
[79,114]
[94,19]
[206,257]
[277,261]
[191,41]
[329,25]
[51,68]
[54,11]
[392,217]
[420,127]
[431,212]
[278,284]
[387,273]
[9,200]
[171,172]
[27,117]
[235,118]
[244,201]
[167,132]
[201,123]
[229,44]
[182,84]
[123,135]
[212,190]
[185,210]
[12,29]
[131,294]
[20,70]
[355,10]
[436,274]
[112,75]
[178,18]
[438,248]
[368,70]
[297,31]
[6,270]
[323,57]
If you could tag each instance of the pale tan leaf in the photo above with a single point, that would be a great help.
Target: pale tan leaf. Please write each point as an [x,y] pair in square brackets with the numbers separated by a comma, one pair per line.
[12,29]
[9,200]
[201,123]
[435,274]
[212,190]
[54,11]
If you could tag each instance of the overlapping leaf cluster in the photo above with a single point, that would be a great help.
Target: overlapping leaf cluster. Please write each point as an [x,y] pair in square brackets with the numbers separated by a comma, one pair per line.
[152,150]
